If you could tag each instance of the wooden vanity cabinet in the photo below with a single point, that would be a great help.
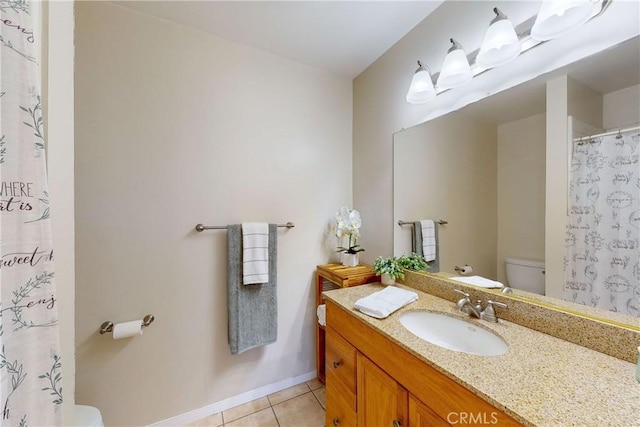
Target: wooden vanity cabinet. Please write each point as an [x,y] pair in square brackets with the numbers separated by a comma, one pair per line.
[392,386]
[420,415]
[381,400]
[340,380]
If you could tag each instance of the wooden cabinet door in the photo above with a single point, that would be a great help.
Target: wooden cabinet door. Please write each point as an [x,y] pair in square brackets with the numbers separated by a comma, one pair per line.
[341,381]
[382,402]
[420,415]
[338,412]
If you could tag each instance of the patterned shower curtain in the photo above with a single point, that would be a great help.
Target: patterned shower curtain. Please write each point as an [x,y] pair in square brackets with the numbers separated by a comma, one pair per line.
[602,267]
[30,366]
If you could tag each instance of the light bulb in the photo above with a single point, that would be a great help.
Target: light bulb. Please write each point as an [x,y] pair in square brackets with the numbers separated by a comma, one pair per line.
[559,17]
[500,44]
[455,69]
[421,89]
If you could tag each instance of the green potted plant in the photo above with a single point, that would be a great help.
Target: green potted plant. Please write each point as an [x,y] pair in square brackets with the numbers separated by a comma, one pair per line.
[389,269]
[413,262]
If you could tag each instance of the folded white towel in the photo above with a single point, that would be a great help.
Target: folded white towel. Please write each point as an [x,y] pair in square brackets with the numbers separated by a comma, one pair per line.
[321,311]
[382,303]
[479,281]
[428,239]
[255,252]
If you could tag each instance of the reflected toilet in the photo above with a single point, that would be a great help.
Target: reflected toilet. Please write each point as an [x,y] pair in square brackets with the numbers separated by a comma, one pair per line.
[87,416]
[525,274]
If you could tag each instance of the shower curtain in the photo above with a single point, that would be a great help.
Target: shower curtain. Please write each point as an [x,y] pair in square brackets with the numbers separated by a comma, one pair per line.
[603,229]
[30,365]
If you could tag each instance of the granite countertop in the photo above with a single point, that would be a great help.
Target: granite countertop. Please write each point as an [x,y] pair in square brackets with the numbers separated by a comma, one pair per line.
[541,380]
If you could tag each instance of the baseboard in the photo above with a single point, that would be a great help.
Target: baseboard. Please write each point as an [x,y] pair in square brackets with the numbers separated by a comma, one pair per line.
[223,405]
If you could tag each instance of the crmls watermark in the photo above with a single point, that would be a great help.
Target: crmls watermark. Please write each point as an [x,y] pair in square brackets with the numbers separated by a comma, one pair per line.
[472,418]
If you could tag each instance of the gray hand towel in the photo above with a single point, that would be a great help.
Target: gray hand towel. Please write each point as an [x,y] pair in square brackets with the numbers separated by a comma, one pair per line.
[416,245]
[253,310]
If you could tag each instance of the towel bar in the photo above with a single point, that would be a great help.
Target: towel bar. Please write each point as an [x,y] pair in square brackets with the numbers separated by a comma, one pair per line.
[201,227]
[441,222]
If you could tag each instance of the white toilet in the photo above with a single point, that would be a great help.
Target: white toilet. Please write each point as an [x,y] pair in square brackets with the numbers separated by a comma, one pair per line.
[525,274]
[87,416]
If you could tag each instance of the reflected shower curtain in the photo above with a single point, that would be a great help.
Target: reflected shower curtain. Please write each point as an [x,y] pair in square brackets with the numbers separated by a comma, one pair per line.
[30,366]
[603,229]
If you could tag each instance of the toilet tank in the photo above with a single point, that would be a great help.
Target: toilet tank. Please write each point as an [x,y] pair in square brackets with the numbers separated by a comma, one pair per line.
[525,274]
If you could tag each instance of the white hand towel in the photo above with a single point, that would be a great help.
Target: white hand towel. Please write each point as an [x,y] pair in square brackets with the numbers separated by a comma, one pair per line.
[255,252]
[479,281]
[382,303]
[428,239]
[321,311]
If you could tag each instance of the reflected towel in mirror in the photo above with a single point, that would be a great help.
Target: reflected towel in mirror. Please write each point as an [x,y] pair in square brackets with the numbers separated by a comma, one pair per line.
[417,244]
[479,281]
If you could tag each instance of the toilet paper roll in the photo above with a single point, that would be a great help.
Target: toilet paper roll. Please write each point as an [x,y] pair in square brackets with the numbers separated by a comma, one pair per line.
[127,329]
[467,269]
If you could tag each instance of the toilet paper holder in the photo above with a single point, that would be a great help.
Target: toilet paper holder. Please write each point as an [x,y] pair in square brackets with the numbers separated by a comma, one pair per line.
[108,326]
[466,269]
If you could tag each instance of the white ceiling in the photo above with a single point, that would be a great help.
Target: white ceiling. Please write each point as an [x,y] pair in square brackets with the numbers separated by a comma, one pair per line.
[343,37]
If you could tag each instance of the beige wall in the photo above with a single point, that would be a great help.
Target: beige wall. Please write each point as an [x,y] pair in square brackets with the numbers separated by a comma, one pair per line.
[446,169]
[556,184]
[521,190]
[175,127]
[584,103]
[622,108]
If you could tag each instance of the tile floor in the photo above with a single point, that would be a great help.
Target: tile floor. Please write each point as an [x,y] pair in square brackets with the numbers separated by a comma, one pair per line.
[298,406]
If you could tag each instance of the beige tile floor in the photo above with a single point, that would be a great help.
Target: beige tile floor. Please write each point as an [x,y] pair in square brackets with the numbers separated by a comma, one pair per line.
[298,406]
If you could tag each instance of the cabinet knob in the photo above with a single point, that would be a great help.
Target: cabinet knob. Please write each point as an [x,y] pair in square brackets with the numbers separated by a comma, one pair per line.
[336,422]
[336,364]
[397,423]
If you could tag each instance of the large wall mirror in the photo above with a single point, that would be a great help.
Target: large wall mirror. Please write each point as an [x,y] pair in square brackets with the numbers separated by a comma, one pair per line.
[485,169]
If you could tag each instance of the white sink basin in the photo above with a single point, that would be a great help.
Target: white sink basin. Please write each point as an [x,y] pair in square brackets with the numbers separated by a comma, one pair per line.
[453,333]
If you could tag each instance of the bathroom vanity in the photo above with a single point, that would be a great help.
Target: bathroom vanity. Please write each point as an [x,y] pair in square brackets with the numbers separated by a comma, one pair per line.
[380,374]
[376,382]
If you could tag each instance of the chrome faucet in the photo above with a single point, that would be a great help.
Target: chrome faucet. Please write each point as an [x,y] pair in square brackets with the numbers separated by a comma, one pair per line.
[475,310]
[466,306]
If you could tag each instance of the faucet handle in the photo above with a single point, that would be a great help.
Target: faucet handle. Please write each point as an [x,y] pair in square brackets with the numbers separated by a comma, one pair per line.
[499,304]
[489,313]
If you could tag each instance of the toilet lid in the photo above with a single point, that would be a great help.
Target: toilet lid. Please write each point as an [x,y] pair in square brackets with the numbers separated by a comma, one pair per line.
[87,416]
[525,262]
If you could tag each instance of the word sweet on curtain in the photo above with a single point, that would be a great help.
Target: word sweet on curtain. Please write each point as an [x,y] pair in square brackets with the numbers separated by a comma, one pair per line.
[30,365]
[602,262]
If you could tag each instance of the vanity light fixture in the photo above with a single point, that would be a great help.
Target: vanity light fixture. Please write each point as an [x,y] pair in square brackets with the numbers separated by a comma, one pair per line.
[421,89]
[559,17]
[455,69]
[500,44]
[503,43]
